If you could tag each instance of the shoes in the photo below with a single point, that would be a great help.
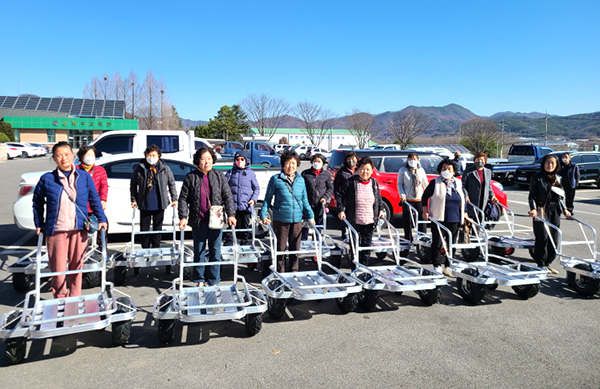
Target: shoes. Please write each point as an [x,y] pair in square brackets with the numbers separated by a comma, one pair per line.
[551,270]
[200,284]
[438,269]
[447,272]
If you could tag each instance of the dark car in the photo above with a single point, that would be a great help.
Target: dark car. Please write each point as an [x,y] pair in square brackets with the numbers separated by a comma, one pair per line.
[387,165]
[588,162]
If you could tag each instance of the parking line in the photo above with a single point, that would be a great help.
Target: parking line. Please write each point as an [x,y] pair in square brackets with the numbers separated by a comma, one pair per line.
[17,246]
[578,211]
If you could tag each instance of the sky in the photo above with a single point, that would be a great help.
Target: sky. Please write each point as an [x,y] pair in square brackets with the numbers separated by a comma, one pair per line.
[376,56]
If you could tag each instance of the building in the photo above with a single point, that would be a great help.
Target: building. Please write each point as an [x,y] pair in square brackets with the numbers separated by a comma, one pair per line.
[49,120]
[331,140]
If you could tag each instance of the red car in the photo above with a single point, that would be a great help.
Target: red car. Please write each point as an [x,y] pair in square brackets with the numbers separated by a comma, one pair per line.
[387,165]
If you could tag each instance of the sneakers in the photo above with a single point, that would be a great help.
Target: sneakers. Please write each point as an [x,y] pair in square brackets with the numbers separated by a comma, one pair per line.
[438,269]
[447,272]
[200,284]
[551,270]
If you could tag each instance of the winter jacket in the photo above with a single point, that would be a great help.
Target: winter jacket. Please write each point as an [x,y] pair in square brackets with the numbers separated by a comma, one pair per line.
[48,193]
[405,183]
[192,190]
[346,198]
[244,185]
[100,178]
[472,187]
[340,177]
[164,179]
[318,186]
[570,175]
[540,194]
[287,207]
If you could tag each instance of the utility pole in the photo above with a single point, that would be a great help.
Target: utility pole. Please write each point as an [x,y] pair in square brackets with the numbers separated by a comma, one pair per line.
[546,138]
[502,124]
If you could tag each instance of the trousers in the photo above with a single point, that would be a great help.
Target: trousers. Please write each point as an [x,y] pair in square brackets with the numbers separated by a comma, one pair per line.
[66,249]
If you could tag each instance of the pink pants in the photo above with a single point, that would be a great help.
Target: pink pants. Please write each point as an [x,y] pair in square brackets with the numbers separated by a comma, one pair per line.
[63,247]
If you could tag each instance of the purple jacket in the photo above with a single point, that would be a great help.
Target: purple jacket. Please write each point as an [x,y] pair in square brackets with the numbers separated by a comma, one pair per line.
[244,187]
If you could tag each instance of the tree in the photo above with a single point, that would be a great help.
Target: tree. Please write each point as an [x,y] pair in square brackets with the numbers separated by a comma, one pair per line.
[363,125]
[202,131]
[93,89]
[406,125]
[265,113]
[480,135]
[132,98]
[229,124]
[7,129]
[283,140]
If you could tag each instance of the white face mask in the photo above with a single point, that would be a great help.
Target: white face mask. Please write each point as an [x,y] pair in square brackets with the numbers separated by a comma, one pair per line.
[241,163]
[413,163]
[447,174]
[89,160]
[317,165]
[152,161]
[565,160]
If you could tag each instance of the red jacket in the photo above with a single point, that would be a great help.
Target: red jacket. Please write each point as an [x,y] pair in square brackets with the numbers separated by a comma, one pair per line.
[98,173]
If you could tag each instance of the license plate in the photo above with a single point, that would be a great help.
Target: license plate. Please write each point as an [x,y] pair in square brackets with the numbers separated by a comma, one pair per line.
[522,178]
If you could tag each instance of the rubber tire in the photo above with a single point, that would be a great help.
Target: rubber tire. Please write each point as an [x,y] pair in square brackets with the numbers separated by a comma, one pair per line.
[471,292]
[25,155]
[423,253]
[121,331]
[91,280]
[166,328]
[367,299]
[266,267]
[302,157]
[14,350]
[431,296]
[381,255]
[260,232]
[335,261]
[23,282]
[136,271]
[168,269]
[388,210]
[120,275]
[253,321]
[492,286]
[526,291]
[266,164]
[471,255]
[584,286]
[276,307]
[347,303]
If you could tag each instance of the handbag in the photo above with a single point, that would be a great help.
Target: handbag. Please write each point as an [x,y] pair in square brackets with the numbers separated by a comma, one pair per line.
[216,215]
[541,211]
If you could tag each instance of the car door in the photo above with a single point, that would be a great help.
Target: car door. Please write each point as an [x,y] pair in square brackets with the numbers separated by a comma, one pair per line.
[588,168]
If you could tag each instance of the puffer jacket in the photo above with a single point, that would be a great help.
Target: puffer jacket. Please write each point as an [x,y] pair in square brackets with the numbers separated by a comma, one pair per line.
[341,176]
[570,175]
[191,190]
[48,192]
[164,178]
[287,208]
[346,198]
[244,187]
[318,186]
[100,178]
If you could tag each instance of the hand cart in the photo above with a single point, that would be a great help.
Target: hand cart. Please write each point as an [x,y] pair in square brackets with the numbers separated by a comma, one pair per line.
[39,319]
[397,278]
[249,252]
[306,285]
[196,304]
[329,248]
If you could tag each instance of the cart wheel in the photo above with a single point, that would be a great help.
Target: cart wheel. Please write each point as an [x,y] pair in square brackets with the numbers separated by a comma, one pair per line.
[120,274]
[335,261]
[471,255]
[168,269]
[404,253]
[424,253]
[347,303]
[266,267]
[14,350]
[252,266]
[431,296]
[22,282]
[187,273]
[166,328]
[367,298]
[276,306]
[492,286]
[509,251]
[526,291]
[254,321]
[381,255]
[583,285]
[91,280]
[122,330]
[471,292]
[136,271]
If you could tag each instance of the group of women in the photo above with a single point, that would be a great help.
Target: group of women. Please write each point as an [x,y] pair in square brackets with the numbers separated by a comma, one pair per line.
[62,194]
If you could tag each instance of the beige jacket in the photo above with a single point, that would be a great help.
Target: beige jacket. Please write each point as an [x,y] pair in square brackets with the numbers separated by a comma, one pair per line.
[437,202]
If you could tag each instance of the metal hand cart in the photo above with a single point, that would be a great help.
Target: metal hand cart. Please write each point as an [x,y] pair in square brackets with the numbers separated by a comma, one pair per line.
[196,304]
[306,285]
[39,319]
[583,274]
[474,278]
[24,270]
[250,252]
[397,278]
[136,257]
[330,250]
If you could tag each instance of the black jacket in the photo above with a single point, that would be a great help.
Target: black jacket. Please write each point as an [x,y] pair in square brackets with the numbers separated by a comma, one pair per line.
[191,190]
[318,187]
[164,180]
[341,176]
[540,194]
[346,198]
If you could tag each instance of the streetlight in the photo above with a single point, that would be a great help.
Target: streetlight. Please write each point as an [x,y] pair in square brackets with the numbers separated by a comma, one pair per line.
[162,92]
[132,101]
[105,82]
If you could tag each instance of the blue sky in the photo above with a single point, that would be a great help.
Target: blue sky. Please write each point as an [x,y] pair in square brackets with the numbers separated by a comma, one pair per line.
[378,56]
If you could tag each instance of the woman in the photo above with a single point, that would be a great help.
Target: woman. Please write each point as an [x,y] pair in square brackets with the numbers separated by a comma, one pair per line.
[286,196]
[477,184]
[61,192]
[547,204]
[411,184]
[245,190]
[570,180]
[347,170]
[318,187]
[444,201]
[152,183]
[360,201]
[202,189]
[87,156]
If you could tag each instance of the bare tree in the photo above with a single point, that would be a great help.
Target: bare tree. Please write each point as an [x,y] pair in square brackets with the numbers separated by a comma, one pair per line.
[93,89]
[132,98]
[314,119]
[406,125]
[150,104]
[480,135]
[363,125]
[265,113]
[118,89]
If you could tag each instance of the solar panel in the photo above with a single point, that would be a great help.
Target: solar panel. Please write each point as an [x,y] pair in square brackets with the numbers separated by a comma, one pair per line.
[54,104]
[9,102]
[44,104]
[66,106]
[21,102]
[109,108]
[71,106]
[32,103]
[76,107]
[2,98]
[119,109]
[87,108]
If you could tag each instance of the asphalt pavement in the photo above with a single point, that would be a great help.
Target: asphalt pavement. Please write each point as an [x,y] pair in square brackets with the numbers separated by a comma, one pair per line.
[549,341]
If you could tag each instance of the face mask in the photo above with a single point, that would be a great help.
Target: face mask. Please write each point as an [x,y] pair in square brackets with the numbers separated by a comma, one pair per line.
[89,161]
[152,161]
[413,163]
[241,164]
[317,165]
[479,164]
[351,163]
[566,160]
[447,174]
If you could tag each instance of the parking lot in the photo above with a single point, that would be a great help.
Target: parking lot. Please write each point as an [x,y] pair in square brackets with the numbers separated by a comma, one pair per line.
[549,341]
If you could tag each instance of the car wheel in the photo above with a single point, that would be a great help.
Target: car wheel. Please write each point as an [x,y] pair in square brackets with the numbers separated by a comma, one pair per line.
[25,155]
[387,209]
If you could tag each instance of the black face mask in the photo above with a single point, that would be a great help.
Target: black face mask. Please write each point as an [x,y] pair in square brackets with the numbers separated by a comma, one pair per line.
[351,163]
[479,164]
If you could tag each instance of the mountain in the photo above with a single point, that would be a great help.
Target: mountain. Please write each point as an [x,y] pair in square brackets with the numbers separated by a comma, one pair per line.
[187,123]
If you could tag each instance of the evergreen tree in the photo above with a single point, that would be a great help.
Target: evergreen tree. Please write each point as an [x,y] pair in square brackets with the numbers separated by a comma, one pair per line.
[7,129]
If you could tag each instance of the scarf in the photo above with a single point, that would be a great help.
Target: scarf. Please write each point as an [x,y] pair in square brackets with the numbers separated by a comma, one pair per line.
[450,186]
[151,175]
[87,168]
[415,179]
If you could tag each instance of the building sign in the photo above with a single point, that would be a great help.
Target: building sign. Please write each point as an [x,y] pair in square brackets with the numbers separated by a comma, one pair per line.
[71,123]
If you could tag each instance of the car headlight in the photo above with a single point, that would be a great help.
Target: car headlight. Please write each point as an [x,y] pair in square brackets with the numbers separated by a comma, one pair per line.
[499,186]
